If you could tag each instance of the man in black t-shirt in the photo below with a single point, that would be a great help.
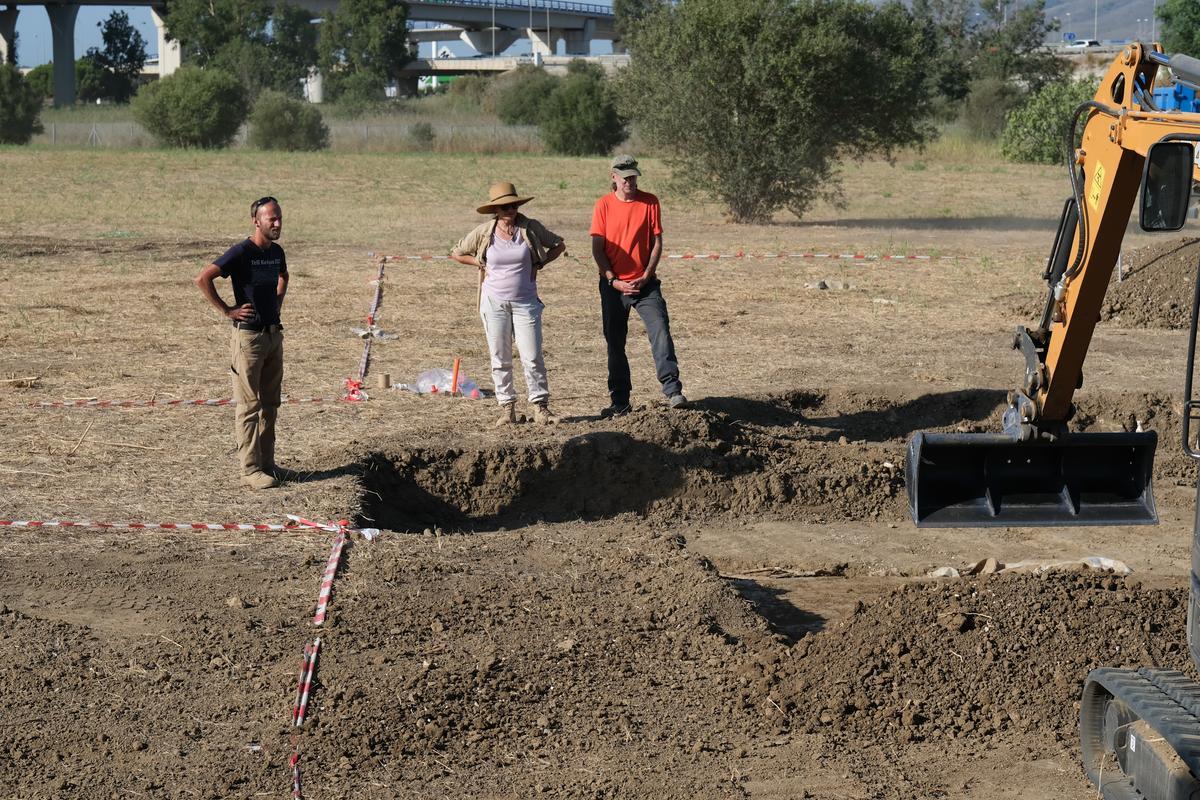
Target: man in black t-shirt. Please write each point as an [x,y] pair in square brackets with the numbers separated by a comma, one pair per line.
[258,271]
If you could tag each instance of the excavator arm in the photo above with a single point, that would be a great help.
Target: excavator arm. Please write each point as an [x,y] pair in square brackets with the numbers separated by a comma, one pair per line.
[1120,130]
[1139,729]
[1034,472]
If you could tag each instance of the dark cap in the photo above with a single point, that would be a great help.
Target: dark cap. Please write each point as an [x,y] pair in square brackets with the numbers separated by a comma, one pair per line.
[626,166]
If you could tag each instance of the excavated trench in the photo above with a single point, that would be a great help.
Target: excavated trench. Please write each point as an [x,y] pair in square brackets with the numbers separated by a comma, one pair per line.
[804,456]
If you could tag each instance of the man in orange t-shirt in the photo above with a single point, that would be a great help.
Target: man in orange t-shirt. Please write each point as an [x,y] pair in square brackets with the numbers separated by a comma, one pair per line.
[626,245]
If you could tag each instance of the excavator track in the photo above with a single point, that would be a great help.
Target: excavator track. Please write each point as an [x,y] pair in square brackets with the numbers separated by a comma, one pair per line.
[1140,734]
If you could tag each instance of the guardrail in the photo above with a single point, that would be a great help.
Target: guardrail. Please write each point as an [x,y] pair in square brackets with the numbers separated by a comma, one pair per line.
[537,5]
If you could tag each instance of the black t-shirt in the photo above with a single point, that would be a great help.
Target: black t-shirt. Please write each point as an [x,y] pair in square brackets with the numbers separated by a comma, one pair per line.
[254,274]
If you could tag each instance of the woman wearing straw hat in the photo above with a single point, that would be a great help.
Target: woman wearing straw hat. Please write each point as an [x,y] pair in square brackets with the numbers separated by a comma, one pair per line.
[509,250]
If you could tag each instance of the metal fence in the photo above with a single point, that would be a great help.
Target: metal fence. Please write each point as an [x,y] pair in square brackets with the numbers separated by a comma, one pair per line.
[344,136]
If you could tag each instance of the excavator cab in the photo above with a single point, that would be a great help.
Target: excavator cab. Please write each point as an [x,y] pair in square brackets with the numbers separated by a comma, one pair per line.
[1036,472]
[1166,186]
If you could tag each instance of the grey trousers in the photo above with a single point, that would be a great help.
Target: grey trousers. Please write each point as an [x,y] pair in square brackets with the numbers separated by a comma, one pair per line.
[503,321]
[652,308]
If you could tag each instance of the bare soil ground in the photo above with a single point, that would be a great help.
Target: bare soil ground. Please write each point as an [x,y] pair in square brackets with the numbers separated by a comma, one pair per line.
[726,601]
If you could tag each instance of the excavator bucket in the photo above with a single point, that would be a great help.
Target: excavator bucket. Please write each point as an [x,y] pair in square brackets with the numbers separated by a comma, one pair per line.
[974,480]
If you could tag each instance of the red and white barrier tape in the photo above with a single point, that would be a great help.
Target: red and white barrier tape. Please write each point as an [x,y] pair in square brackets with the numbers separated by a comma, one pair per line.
[297,523]
[354,386]
[335,557]
[141,526]
[308,665]
[308,662]
[336,527]
[216,401]
[378,301]
[294,762]
[739,255]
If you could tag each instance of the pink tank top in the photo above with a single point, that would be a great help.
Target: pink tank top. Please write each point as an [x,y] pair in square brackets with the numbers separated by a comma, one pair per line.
[509,270]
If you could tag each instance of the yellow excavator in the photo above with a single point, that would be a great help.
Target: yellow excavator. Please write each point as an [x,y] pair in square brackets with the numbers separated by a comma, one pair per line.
[1139,729]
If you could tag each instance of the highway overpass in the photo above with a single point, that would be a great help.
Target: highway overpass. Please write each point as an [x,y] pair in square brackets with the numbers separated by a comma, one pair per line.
[489,26]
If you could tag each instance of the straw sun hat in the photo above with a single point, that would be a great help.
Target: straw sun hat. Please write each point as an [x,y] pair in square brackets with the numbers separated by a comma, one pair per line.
[501,194]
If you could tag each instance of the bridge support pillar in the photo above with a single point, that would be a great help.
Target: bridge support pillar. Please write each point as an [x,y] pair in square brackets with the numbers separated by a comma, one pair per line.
[481,41]
[170,56]
[538,43]
[314,86]
[406,87]
[62,30]
[8,35]
[577,43]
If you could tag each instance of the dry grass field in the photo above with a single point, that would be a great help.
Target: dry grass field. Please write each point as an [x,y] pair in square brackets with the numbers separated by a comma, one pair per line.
[601,609]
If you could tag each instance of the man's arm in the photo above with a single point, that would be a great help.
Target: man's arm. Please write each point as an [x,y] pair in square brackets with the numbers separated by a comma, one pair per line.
[606,271]
[204,281]
[600,257]
[281,288]
[652,266]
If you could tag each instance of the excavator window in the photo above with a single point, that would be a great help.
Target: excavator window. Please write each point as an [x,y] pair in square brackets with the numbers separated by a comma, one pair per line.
[1166,186]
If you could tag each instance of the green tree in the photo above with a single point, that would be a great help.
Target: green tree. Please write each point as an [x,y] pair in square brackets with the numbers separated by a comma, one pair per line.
[92,81]
[758,102]
[1037,131]
[947,26]
[12,50]
[988,105]
[280,122]
[20,105]
[628,14]
[204,27]
[1015,51]
[518,97]
[41,79]
[1180,26]
[580,116]
[984,60]
[1009,62]
[252,63]
[362,47]
[121,58]
[192,107]
[293,46]
[265,45]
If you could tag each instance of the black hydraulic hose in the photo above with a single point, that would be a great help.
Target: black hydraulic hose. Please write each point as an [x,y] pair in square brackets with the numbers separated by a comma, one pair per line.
[1077,181]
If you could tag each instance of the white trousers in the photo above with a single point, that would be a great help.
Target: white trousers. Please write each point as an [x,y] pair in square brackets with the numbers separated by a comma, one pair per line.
[503,321]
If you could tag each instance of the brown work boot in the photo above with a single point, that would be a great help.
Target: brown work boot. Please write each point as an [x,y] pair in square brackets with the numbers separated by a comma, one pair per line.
[508,415]
[542,413]
[259,480]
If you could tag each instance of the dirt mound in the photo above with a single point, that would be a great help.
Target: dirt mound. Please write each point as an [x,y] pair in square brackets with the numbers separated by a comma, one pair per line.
[607,665]
[800,455]
[1157,286]
[980,657]
[1155,290]
[806,456]
[617,656]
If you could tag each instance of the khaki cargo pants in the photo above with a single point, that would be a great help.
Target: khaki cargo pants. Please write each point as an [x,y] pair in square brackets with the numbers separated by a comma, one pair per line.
[256,361]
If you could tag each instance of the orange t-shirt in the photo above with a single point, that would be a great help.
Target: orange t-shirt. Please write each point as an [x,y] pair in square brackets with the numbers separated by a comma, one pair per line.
[628,229]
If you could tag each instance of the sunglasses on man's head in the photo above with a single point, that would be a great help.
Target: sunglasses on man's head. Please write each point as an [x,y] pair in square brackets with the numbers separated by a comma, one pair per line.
[507,207]
[259,203]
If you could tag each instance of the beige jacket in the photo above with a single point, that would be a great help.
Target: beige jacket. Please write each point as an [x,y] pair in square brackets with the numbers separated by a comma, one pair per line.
[539,238]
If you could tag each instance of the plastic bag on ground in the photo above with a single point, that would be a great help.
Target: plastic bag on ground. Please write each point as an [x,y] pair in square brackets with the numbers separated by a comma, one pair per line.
[437,381]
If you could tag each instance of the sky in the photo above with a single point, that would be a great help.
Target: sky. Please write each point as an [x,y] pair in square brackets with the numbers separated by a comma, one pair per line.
[34,45]
[33,31]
